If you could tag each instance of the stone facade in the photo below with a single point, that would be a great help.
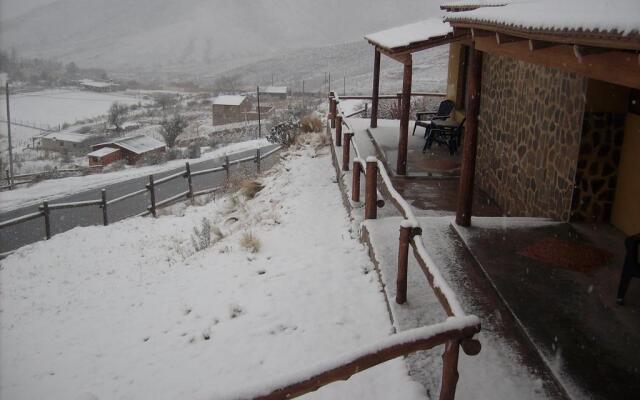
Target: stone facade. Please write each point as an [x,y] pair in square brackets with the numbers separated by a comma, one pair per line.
[529,136]
[602,136]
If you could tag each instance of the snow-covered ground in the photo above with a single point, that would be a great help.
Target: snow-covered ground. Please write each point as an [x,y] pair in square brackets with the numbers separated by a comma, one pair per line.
[57,106]
[142,315]
[54,188]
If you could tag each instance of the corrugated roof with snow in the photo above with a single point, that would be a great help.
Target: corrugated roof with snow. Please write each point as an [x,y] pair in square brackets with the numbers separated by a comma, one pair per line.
[139,144]
[274,89]
[105,151]
[407,35]
[67,137]
[460,5]
[580,17]
[228,100]
[97,84]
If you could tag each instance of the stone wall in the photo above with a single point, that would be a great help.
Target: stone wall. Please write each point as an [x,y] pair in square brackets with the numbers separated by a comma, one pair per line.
[529,136]
[602,136]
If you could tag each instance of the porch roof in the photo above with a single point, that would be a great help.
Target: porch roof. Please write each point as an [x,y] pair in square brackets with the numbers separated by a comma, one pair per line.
[412,37]
[585,22]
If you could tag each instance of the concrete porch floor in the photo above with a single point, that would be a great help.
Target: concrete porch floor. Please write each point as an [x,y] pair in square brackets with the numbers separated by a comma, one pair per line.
[566,302]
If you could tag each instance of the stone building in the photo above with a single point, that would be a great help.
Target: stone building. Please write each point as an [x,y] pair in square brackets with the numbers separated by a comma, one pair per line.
[229,108]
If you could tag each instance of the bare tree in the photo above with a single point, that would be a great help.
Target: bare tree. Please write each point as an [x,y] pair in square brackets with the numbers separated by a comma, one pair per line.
[166,100]
[172,128]
[117,115]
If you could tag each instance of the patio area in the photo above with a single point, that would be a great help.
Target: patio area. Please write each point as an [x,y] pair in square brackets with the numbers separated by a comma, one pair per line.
[552,285]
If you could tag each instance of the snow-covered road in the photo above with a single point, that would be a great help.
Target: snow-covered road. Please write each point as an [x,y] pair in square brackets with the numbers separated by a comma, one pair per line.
[132,311]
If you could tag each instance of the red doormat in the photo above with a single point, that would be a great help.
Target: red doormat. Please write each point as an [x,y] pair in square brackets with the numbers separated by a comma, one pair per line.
[565,254]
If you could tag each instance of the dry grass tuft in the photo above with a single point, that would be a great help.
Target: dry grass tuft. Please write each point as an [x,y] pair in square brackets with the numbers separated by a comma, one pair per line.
[250,188]
[310,123]
[250,242]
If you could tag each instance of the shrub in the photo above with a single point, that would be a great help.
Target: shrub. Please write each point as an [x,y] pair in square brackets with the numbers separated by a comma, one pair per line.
[250,188]
[201,238]
[284,130]
[84,129]
[115,166]
[154,158]
[310,123]
[174,154]
[250,242]
[194,150]
[213,142]
[173,128]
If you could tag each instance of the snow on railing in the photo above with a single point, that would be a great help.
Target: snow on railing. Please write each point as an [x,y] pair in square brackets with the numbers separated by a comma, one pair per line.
[45,209]
[348,364]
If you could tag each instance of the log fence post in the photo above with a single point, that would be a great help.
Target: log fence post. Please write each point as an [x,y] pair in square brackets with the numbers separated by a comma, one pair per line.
[258,155]
[152,196]
[403,262]
[227,166]
[187,174]
[47,222]
[371,190]
[346,150]
[103,205]
[332,110]
[338,131]
[449,370]
[355,182]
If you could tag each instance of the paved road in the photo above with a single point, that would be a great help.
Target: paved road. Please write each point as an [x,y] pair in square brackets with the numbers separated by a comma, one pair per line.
[63,220]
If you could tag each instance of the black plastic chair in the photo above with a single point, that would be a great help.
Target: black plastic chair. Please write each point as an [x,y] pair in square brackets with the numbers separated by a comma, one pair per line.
[631,267]
[424,118]
[448,135]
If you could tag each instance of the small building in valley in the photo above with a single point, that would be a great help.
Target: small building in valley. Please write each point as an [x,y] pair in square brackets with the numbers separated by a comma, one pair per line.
[66,142]
[274,93]
[131,149]
[98,86]
[229,108]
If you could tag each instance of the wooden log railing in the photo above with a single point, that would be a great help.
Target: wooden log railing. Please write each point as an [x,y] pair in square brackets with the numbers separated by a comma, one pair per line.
[410,237]
[447,333]
[44,210]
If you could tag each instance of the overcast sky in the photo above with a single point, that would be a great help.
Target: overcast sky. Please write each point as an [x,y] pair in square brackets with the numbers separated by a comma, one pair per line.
[13,8]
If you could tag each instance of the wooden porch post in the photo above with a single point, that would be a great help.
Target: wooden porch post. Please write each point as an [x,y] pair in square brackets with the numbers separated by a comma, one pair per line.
[376,90]
[449,370]
[401,168]
[468,168]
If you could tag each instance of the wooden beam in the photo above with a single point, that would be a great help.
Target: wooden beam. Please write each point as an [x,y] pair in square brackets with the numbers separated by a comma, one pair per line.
[468,168]
[583,51]
[618,67]
[502,38]
[401,167]
[539,44]
[375,93]
[476,33]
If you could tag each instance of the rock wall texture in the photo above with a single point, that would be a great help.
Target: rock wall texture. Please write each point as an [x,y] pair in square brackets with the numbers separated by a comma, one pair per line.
[529,135]
[602,136]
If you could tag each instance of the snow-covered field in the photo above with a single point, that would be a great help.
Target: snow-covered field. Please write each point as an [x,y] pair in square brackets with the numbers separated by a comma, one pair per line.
[54,188]
[142,315]
[57,106]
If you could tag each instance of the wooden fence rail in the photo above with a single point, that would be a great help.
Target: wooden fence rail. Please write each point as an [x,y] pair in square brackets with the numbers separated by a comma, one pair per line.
[103,203]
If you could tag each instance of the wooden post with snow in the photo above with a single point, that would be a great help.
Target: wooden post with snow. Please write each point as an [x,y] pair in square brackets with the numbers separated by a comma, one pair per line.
[355,181]
[332,110]
[103,205]
[227,166]
[47,222]
[403,263]
[469,148]
[375,93]
[449,370]
[346,150]
[401,167]
[152,196]
[258,155]
[371,190]
[338,131]
[187,175]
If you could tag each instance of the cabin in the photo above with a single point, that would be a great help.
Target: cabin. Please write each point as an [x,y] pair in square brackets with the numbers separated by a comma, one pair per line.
[104,156]
[229,108]
[98,86]
[537,166]
[272,93]
[66,142]
[132,149]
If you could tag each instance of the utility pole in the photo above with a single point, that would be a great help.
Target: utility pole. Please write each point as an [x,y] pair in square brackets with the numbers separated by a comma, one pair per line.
[9,133]
[272,79]
[303,95]
[329,82]
[344,85]
[259,123]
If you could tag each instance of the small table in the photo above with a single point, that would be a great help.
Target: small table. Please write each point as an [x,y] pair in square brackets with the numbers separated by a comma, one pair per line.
[446,132]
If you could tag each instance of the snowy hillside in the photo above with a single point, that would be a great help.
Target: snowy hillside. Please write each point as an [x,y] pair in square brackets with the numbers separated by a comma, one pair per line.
[353,61]
[195,35]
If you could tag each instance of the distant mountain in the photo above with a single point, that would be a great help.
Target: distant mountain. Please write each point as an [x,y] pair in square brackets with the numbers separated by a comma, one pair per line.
[195,36]
[353,61]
